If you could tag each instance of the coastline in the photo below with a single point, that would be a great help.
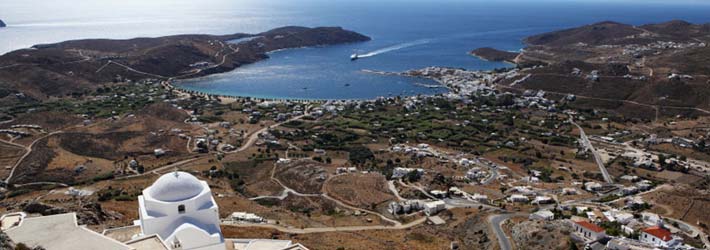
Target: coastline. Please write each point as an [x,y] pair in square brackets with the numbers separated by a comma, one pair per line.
[226,99]
[486,60]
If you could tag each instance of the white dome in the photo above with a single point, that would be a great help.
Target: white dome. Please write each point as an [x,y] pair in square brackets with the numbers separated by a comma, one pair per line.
[175,186]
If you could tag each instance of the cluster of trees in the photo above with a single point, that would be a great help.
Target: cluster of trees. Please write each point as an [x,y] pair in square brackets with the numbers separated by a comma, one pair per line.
[360,155]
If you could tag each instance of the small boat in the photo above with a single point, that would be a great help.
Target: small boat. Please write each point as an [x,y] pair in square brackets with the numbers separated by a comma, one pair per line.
[354,57]
[347,85]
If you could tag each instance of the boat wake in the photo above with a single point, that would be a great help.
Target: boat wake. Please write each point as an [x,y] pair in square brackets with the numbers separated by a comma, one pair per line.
[394,47]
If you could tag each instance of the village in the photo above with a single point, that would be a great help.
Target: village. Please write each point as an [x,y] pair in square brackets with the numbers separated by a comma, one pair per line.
[483,149]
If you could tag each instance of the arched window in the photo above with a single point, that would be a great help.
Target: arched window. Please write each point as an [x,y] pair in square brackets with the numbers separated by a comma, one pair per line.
[181,209]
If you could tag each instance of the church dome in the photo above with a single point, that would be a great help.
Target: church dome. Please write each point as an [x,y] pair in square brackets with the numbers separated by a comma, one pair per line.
[175,186]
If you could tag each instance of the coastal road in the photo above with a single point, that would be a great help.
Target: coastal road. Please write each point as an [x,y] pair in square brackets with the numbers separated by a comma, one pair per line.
[597,157]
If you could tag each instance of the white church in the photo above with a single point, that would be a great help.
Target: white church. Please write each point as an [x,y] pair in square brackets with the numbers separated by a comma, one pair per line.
[181,210]
[177,212]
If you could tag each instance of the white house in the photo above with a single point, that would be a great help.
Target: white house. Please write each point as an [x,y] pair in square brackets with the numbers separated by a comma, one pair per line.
[629,190]
[542,215]
[480,198]
[475,173]
[433,207]
[181,210]
[658,236]
[543,200]
[518,198]
[618,216]
[651,219]
[401,172]
[588,230]
[247,217]
[569,191]
[592,186]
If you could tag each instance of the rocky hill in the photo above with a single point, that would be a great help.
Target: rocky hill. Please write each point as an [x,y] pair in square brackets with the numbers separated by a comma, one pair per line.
[632,69]
[78,66]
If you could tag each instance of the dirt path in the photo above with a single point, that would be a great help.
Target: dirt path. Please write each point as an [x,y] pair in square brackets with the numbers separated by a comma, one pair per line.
[329,229]
[28,150]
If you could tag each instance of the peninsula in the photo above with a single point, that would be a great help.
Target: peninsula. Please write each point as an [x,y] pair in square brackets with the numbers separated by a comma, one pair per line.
[81,65]
[495,55]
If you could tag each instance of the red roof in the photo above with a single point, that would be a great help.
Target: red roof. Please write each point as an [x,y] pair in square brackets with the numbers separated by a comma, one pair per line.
[590,226]
[659,232]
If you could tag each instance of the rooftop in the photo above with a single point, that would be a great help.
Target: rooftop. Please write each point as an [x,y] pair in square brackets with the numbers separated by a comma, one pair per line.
[61,232]
[590,226]
[175,186]
[659,232]
[151,242]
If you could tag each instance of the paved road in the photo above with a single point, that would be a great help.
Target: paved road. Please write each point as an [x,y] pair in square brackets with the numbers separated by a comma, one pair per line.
[596,155]
[496,222]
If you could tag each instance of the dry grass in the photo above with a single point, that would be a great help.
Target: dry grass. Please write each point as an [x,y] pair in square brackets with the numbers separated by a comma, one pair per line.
[360,190]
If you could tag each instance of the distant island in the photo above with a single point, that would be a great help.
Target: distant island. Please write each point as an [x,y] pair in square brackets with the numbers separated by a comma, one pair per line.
[78,66]
[2,24]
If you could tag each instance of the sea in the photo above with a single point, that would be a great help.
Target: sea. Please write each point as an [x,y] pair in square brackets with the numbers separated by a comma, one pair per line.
[406,34]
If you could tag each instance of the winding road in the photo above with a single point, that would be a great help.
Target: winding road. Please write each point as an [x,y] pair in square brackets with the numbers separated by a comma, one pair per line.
[28,150]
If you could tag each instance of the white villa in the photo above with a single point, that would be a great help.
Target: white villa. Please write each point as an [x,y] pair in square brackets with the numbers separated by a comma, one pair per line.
[588,231]
[177,212]
[659,237]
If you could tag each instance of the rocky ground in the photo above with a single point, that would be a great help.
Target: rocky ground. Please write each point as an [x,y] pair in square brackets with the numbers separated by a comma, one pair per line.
[536,234]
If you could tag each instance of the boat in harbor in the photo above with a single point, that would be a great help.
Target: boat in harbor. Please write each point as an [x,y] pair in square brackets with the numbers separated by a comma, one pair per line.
[354,57]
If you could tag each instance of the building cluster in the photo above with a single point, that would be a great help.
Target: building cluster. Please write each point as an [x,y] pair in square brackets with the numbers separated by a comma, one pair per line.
[639,50]
[402,172]
[246,217]
[429,208]
[650,235]
[526,194]
[421,150]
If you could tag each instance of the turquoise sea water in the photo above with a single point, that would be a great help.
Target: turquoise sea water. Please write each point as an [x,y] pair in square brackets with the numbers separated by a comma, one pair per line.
[406,35]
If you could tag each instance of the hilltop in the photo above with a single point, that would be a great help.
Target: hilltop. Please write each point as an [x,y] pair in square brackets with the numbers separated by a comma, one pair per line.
[74,67]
